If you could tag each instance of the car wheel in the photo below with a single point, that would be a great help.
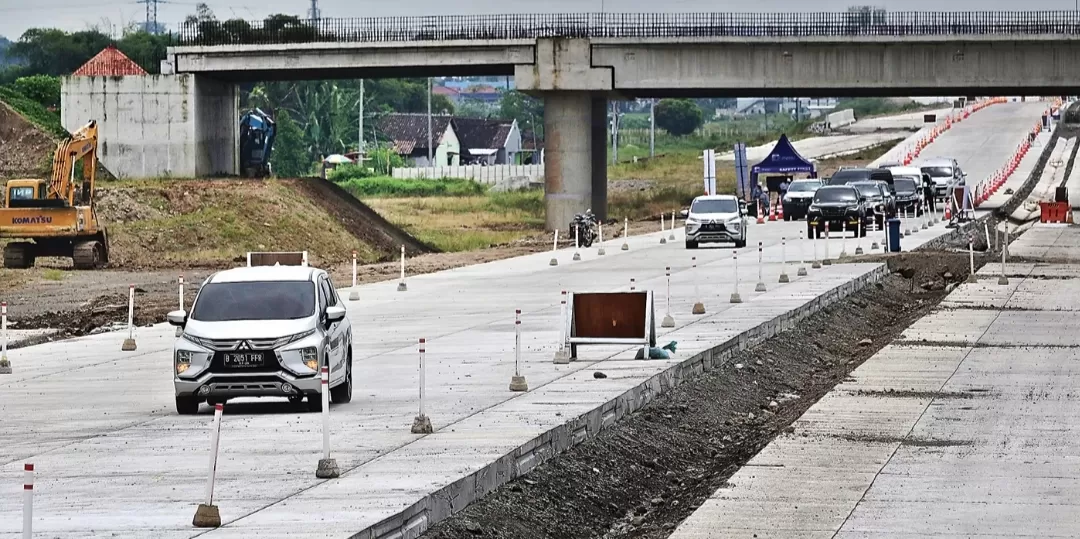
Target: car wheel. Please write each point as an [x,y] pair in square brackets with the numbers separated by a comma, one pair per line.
[739,244]
[314,403]
[342,393]
[187,405]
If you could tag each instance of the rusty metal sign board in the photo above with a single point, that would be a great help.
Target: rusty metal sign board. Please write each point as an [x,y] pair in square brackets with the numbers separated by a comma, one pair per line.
[610,318]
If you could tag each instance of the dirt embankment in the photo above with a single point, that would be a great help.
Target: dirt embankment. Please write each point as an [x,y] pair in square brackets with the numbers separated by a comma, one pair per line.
[644,475]
[25,150]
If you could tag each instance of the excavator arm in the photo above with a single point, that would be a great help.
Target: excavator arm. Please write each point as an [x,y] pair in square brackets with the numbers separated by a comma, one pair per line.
[81,145]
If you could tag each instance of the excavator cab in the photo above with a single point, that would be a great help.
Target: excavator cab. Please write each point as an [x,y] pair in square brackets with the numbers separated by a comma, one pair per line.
[29,194]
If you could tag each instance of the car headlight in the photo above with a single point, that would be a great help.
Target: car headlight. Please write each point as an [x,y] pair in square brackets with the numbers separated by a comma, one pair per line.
[310,357]
[183,360]
[813,208]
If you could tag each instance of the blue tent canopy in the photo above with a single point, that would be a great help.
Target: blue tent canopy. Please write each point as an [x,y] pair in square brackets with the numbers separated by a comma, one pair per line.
[783,159]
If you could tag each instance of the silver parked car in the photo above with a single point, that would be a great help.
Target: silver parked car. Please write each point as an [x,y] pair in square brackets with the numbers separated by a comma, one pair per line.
[262,331]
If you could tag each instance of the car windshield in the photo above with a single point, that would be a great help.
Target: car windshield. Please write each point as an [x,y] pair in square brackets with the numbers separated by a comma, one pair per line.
[803,187]
[938,172]
[845,176]
[835,195]
[869,190]
[260,300]
[905,185]
[715,205]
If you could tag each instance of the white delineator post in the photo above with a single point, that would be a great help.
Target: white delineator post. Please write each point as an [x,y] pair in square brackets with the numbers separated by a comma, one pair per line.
[783,261]
[827,261]
[662,238]
[402,287]
[562,354]
[1003,279]
[816,263]
[5,365]
[422,423]
[355,294]
[554,249]
[843,241]
[860,229]
[632,284]
[672,236]
[207,515]
[972,278]
[328,467]
[600,239]
[180,284]
[28,501]
[129,342]
[625,233]
[735,298]
[518,383]
[668,321]
[699,307]
[577,243]
[874,231]
[760,263]
[801,272]
[923,216]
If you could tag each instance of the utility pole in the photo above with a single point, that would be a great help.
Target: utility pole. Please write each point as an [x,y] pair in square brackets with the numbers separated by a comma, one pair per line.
[360,143]
[652,127]
[430,155]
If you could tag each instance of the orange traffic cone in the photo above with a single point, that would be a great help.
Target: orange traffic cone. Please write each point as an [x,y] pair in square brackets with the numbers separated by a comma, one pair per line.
[772,213]
[948,213]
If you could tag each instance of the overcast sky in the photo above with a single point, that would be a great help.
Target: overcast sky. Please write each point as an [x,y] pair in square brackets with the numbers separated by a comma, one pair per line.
[18,15]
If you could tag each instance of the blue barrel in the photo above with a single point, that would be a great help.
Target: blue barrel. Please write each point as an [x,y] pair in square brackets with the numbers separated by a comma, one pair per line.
[894,235]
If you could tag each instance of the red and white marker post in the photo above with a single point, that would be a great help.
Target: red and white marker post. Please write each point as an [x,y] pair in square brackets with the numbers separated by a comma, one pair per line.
[562,354]
[28,501]
[518,383]
[5,365]
[355,294]
[422,423]
[207,514]
[129,342]
[328,467]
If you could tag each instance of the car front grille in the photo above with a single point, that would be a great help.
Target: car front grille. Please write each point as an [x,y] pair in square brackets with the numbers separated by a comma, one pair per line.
[226,345]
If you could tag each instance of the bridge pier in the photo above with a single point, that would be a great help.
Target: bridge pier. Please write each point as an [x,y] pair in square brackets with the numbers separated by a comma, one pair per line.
[575,156]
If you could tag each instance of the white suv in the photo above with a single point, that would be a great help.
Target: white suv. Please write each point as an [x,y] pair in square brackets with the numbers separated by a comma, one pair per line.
[262,331]
[715,219]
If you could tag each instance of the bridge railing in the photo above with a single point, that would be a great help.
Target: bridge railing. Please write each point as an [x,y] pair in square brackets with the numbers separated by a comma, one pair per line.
[287,29]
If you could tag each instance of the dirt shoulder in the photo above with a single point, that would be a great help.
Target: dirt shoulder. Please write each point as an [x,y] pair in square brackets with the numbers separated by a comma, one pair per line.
[647,473]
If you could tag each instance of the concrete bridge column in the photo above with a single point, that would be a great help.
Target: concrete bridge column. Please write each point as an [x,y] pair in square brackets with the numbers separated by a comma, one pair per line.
[599,157]
[568,156]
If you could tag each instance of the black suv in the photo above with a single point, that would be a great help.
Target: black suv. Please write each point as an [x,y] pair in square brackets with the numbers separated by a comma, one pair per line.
[835,205]
[880,204]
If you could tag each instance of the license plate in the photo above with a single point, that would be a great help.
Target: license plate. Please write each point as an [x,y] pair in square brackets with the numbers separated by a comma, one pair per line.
[243,360]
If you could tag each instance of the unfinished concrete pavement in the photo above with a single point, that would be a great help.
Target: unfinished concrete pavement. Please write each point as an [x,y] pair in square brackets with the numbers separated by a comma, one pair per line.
[960,428]
[120,462]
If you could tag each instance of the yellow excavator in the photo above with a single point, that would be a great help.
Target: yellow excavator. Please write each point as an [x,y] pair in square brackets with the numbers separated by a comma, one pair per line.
[56,218]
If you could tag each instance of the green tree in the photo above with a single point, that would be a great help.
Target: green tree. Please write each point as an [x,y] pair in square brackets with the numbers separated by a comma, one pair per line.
[678,116]
[44,89]
[290,158]
[527,110]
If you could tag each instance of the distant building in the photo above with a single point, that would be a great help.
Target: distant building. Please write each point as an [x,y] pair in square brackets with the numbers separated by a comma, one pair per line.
[110,62]
[457,140]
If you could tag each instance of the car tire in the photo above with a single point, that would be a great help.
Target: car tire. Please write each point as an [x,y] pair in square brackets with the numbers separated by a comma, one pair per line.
[691,244]
[187,405]
[314,403]
[342,393]
[740,244]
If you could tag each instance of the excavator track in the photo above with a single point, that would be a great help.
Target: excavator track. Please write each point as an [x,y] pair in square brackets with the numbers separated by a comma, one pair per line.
[88,254]
[18,255]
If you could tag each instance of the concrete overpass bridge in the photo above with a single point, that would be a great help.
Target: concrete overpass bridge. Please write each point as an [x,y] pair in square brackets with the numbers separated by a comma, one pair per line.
[577,62]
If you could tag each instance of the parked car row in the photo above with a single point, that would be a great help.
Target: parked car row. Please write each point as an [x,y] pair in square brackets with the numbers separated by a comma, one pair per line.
[853,199]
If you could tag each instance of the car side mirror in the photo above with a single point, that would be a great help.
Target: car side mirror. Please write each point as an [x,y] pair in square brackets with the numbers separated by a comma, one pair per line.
[684,213]
[335,313]
[177,318]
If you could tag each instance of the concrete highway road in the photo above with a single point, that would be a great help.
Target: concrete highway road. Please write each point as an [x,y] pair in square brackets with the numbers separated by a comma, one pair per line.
[114,459]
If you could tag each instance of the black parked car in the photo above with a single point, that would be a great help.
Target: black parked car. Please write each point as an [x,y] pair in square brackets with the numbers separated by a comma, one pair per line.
[880,203]
[909,195]
[835,205]
[848,175]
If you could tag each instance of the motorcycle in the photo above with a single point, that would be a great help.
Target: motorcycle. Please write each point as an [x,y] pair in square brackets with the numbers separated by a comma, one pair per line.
[584,227]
